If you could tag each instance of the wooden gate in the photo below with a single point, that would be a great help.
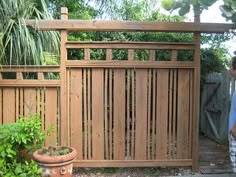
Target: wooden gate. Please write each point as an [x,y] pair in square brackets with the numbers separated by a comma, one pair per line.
[215,105]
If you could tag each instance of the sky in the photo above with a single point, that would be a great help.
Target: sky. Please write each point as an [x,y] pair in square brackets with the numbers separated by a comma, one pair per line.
[213,15]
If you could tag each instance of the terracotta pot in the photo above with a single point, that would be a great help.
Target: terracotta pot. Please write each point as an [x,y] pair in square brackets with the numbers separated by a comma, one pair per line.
[55,166]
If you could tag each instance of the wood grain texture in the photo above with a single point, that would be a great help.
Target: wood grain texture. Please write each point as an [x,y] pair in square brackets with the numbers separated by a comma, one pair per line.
[141,114]
[97,115]
[113,25]
[119,114]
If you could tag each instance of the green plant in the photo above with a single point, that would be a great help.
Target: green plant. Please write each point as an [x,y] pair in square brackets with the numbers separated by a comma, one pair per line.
[22,44]
[228,8]
[17,142]
[55,151]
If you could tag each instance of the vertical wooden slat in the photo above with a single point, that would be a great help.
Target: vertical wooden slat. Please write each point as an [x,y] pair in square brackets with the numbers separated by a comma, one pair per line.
[162,116]
[152,55]
[85,93]
[133,115]
[130,54]
[51,114]
[38,101]
[128,155]
[64,101]
[43,107]
[8,105]
[154,114]
[175,74]
[174,115]
[119,114]
[149,116]
[40,76]
[29,101]
[110,114]
[19,76]
[108,54]
[173,55]
[106,134]
[191,103]
[141,114]
[170,113]
[98,114]
[17,90]
[40,106]
[76,110]
[183,114]
[171,134]
[86,54]
[21,91]
[89,114]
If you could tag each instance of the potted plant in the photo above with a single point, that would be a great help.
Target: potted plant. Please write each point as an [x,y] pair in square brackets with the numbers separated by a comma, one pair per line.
[55,161]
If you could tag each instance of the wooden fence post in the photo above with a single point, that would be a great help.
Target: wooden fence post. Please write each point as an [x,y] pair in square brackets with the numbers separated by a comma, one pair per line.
[64,102]
[196,99]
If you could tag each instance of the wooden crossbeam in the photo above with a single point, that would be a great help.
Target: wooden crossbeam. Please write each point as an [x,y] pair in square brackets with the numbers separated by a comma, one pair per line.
[115,25]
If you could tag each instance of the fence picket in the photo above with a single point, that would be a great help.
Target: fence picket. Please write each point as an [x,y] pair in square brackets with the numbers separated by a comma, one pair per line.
[162,113]
[141,113]
[8,105]
[119,114]
[97,115]
[76,111]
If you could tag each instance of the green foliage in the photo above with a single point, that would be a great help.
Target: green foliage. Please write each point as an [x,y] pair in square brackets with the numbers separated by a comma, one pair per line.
[141,55]
[120,54]
[22,44]
[215,40]
[168,4]
[132,10]
[213,60]
[50,59]
[97,54]
[17,142]
[228,9]
[55,151]
[78,9]
[183,6]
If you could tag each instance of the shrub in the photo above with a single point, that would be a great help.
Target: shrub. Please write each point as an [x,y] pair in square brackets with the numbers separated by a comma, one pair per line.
[17,142]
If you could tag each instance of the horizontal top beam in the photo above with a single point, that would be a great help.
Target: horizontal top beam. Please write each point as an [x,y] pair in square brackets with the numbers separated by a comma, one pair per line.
[29,68]
[114,25]
[129,45]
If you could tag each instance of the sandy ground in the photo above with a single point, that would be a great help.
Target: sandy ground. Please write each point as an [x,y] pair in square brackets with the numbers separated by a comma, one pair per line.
[131,172]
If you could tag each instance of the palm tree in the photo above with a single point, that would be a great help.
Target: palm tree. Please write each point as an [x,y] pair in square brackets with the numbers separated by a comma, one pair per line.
[112,9]
[20,44]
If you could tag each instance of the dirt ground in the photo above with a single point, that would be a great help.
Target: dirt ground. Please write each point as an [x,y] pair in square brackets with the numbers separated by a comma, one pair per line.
[131,172]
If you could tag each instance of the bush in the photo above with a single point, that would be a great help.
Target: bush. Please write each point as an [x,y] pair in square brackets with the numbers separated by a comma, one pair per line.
[17,142]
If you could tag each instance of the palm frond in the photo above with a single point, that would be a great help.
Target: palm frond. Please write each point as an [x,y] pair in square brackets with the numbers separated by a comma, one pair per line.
[22,44]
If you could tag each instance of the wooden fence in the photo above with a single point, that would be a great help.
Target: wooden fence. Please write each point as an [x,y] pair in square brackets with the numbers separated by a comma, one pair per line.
[216,94]
[115,113]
